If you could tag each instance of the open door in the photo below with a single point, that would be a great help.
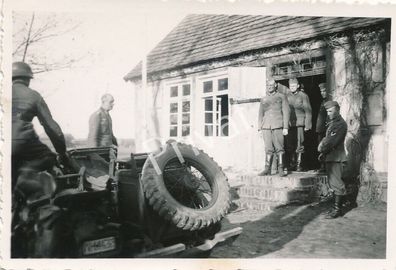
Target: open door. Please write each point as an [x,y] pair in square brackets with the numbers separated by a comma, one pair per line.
[247,87]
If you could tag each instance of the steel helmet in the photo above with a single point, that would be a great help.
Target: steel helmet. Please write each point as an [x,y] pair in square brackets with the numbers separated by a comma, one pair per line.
[21,69]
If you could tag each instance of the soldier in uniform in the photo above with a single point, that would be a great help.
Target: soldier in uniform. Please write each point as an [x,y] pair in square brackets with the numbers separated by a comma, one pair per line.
[332,151]
[322,118]
[273,121]
[100,125]
[300,121]
[27,150]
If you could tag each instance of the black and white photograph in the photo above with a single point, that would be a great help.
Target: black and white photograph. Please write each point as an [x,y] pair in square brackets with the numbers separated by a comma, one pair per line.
[134,131]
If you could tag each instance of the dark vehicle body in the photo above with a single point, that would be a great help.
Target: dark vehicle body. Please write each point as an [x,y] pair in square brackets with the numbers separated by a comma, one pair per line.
[113,217]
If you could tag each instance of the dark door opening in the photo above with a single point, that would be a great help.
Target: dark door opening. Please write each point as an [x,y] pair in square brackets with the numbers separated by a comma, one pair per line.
[310,84]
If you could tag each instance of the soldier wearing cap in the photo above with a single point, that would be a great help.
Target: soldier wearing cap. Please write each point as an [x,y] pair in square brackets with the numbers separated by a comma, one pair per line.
[300,121]
[322,117]
[27,150]
[273,121]
[332,152]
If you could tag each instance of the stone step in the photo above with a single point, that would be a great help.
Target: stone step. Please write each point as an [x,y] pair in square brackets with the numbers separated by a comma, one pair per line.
[267,192]
[256,204]
[280,195]
[295,180]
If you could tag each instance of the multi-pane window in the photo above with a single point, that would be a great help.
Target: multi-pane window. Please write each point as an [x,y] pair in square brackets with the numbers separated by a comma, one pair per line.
[180,110]
[215,102]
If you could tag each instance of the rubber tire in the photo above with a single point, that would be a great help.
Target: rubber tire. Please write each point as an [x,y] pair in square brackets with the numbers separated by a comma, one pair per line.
[168,207]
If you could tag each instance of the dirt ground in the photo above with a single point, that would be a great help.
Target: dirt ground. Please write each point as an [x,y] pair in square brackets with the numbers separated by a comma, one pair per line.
[301,231]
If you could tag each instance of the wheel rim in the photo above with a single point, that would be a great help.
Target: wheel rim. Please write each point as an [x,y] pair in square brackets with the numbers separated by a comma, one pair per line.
[189,184]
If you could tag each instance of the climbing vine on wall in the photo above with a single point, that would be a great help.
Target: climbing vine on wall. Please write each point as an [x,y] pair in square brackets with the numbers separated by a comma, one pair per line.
[363,50]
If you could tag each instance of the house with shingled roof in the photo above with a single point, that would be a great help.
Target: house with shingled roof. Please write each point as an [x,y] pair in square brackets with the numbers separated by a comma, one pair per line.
[203,82]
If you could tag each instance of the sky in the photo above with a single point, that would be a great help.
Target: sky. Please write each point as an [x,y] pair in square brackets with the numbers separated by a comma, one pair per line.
[110,44]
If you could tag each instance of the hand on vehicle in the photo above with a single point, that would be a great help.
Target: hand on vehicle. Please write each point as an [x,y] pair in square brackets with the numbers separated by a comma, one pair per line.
[64,160]
[285,131]
[57,171]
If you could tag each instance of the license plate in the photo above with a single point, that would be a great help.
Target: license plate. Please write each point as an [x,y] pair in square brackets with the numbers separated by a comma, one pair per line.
[99,245]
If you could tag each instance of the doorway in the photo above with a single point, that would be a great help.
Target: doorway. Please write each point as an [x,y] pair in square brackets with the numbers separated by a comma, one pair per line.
[311,88]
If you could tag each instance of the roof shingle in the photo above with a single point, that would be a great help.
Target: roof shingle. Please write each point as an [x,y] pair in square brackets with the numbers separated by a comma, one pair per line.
[202,37]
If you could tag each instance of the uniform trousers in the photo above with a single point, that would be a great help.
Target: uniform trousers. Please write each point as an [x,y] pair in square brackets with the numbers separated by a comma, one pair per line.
[273,141]
[32,154]
[295,140]
[334,174]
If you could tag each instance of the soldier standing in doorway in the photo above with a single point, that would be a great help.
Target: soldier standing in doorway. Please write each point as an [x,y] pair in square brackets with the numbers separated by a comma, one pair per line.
[322,118]
[332,152]
[273,121]
[300,121]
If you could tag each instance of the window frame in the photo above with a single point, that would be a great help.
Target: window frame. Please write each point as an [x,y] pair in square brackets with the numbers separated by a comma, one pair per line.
[179,99]
[214,94]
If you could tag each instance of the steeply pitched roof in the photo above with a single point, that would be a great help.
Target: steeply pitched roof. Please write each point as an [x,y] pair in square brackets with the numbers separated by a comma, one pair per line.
[199,38]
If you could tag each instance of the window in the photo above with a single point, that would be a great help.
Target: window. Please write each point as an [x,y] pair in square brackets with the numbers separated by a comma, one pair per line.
[215,103]
[179,110]
[314,65]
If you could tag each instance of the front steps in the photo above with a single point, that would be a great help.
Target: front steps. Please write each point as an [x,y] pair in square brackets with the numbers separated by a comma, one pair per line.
[267,192]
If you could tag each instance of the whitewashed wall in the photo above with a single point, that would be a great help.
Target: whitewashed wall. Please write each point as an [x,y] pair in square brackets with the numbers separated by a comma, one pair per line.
[243,149]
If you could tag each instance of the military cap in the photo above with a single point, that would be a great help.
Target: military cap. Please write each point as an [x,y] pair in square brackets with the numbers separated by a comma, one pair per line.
[330,104]
[293,80]
[271,80]
[322,85]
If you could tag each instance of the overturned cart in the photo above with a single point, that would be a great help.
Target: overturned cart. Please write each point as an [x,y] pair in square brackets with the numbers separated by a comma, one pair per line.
[165,204]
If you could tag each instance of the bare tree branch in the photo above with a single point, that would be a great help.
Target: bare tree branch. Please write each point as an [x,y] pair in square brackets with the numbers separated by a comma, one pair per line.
[28,38]
[32,38]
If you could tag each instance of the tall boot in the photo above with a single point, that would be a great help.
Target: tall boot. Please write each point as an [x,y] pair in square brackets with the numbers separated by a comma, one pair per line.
[282,171]
[274,169]
[299,161]
[337,212]
[291,161]
[267,167]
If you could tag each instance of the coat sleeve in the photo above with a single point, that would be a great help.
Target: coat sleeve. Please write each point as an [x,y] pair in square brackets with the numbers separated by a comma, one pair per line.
[114,140]
[94,125]
[334,137]
[261,114]
[308,112]
[52,129]
[285,111]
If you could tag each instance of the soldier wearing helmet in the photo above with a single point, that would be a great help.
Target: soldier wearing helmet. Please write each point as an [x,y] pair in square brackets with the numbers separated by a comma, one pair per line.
[27,149]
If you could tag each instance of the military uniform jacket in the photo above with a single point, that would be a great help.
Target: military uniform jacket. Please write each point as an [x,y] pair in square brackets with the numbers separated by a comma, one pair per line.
[101,129]
[273,111]
[322,118]
[333,144]
[300,110]
[27,104]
